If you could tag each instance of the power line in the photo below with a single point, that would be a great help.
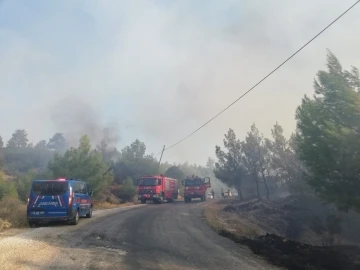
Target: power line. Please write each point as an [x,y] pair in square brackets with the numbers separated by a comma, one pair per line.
[263,79]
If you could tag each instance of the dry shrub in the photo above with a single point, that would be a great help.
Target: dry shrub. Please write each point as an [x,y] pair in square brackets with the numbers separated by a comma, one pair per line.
[12,211]
[222,221]
[4,224]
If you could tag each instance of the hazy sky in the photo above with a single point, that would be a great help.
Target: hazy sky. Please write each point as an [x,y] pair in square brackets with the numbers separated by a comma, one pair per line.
[156,70]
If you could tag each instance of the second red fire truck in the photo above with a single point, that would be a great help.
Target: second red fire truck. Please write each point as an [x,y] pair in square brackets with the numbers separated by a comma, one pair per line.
[195,187]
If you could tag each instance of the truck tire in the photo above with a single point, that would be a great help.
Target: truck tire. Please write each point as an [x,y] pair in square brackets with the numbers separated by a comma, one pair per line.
[202,198]
[143,201]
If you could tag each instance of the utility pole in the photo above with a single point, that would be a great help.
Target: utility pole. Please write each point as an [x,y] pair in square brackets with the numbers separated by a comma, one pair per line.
[161,158]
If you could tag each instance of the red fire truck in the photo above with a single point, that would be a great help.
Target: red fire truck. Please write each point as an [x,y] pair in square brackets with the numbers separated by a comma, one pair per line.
[195,187]
[157,188]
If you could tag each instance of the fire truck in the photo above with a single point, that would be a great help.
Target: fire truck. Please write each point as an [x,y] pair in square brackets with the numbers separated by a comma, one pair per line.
[157,188]
[195,187]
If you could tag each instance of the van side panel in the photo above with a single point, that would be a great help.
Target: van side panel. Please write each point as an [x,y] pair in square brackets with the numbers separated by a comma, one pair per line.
[82,199]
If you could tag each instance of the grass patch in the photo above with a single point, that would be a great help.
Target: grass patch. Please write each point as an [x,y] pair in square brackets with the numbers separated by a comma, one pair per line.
[12,213]
[107,205]
[223,222]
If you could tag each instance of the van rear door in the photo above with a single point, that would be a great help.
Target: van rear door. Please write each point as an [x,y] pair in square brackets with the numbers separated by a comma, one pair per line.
[49,199]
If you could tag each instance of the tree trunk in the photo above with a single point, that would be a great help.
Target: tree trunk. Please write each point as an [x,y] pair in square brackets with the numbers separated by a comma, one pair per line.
[240,194]
[238,188]
[257,189]
[266,185]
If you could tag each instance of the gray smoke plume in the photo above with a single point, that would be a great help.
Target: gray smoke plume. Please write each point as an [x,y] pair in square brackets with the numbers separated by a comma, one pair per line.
[74,118]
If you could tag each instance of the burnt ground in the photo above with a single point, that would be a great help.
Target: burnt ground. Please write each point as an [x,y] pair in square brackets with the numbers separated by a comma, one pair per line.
[280,230]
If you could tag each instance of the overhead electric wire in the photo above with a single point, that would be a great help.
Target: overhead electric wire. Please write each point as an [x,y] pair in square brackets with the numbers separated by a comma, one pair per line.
[263,79]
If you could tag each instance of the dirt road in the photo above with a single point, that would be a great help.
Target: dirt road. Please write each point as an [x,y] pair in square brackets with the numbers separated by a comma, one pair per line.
[167,236]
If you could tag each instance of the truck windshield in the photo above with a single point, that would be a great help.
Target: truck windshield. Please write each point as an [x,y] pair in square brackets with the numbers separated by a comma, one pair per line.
[148,182]
[50,188]
[193,182]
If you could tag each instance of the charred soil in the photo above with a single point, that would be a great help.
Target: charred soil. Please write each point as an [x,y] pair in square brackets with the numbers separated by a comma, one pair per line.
[280,230]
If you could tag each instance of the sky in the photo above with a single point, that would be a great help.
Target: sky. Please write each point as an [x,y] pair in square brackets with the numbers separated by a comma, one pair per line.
[157,70]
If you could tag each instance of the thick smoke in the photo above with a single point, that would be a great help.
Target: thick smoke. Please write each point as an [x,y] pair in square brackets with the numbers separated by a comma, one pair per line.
[163,68]
[74,118]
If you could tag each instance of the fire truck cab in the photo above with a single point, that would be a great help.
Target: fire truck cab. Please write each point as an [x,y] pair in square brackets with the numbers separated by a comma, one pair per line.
[195,187]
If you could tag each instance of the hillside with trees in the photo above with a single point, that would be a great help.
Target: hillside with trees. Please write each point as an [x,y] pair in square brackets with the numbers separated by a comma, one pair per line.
[315,171]
[110,172]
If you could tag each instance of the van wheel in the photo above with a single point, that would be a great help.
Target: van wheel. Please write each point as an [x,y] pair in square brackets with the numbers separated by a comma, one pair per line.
[32,223]
[89,215]
[143,201]
[75,219]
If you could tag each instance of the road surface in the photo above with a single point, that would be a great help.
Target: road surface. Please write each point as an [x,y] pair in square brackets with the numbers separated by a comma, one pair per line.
[167,236]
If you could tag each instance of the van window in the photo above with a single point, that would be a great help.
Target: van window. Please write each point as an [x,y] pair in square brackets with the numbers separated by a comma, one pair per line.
[80,187]
[49,188]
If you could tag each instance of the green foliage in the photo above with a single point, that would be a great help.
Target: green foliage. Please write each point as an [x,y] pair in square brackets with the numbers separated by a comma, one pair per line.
[135,151]
[57,143]
[284,163]
[108,154]
[328,128]
[22,159]
[134,163]
[210,164]
[23,184]
[1,142]
[7,188]
[229,167]
[18,139]
[2,160]
[175,172]
[41,145]
[127,191]
[82,163]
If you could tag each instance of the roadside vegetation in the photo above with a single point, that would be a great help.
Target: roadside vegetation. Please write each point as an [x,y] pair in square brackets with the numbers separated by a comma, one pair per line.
[298,202]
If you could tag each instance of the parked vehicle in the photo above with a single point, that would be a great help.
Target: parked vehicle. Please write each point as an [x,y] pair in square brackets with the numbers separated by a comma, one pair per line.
[210,196]
[59,200]
[158,189]
[196,187]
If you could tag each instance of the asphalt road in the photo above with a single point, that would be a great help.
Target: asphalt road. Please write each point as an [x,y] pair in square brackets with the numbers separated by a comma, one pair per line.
[166,236]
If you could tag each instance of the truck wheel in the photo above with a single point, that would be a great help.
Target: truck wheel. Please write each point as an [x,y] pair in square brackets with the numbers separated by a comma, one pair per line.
[143,201]
[202,198]
[89,215]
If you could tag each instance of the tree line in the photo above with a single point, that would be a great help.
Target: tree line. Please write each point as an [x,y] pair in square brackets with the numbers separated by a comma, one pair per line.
[322,156]
[110,172]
